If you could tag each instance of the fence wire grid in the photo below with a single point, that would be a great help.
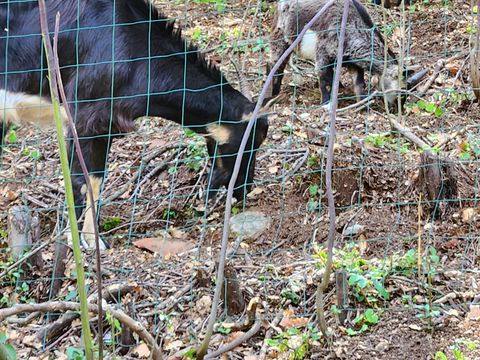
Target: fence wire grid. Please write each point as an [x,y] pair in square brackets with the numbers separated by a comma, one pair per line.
[406,264]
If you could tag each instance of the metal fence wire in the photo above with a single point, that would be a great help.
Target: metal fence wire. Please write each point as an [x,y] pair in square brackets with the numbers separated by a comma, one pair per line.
[405,276]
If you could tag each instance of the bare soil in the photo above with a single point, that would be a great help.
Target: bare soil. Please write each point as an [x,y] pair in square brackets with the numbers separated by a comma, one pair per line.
[375,184]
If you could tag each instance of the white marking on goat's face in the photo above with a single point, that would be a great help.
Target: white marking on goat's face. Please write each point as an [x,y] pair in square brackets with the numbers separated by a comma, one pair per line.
[88,229]
[308,45]
[391,83]
[221,134]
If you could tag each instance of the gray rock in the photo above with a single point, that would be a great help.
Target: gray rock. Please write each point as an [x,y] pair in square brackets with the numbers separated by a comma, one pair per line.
[249,224]
[382,346]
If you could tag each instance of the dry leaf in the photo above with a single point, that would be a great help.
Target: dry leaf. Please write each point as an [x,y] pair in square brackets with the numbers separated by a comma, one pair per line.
[273,169]
[290,320]
[156,144]
[11,195]
[474,313]
[141,351]
[256,191]
[234,336]
[174,345]
[362,244]
[415,327]
[469,214]
[163,247]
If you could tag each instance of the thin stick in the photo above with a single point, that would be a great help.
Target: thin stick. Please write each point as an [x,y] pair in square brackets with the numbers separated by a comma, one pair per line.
[238,341]
[77,252]
[57,306]
[319,303]
[419,239]
[228,202]
[81,160]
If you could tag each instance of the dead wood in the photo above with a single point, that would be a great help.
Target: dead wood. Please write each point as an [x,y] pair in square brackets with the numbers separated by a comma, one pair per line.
[341,284]
[408,134]
[19,235]
[437,181]
[112,292]
[268,335]
[61,252]
[436,71]
[232,294]
[255,315]
[61,306]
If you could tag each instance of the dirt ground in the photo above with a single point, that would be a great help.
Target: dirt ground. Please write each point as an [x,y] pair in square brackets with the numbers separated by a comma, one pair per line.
[377,185]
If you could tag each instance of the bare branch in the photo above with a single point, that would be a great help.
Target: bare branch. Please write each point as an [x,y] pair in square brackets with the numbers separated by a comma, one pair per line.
[228,203]
[328,177]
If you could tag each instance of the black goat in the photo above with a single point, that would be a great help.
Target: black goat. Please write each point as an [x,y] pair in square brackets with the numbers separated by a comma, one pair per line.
[118,64]
[364,47]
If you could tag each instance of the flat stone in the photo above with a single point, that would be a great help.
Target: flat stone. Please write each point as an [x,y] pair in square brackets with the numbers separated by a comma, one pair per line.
[249,224]
[382,346]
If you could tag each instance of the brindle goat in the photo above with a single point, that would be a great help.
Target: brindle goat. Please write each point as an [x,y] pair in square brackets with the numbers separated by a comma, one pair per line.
[119,64]
[392,3]
[364,47]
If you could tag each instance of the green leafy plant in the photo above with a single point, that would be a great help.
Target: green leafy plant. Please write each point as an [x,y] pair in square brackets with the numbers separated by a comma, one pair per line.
[295,342]
[115,330]
[7,351]
[363,321]
[291,295]
[376,140]
[111,223]
[196,152]
[314,194]
[11,136]
[169,214]
[430,107]
[219,4]
[75,354]
[33,154]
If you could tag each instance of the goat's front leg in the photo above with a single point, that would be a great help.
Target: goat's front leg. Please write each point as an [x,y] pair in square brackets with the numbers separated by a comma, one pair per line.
[359,85]
[278,46]
[95,153]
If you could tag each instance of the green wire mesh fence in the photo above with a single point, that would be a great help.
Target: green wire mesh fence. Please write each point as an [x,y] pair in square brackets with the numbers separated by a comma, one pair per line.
[407,251]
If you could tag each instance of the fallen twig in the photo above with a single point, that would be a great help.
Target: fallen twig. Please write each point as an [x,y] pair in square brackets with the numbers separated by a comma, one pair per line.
[57,327]
[124,188]
[441,144]
[254,312]
[297,166]
[268,335]
[60,306]
[436,71]
[408,134]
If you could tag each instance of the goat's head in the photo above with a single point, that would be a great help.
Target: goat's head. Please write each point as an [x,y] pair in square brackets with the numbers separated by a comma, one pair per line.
[393,81]
[223,142]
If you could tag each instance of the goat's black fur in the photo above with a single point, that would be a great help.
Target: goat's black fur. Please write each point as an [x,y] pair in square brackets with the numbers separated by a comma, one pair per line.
[120,64]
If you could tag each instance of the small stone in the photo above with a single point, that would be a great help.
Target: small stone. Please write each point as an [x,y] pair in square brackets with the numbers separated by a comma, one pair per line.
[353,230]
[382,346]
[249,224]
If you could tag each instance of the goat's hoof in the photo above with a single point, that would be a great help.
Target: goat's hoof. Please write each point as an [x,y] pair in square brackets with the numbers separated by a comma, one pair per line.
[327,106]
[87,241]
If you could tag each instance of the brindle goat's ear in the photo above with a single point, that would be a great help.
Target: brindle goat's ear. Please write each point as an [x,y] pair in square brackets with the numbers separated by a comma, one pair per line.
[415,78]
